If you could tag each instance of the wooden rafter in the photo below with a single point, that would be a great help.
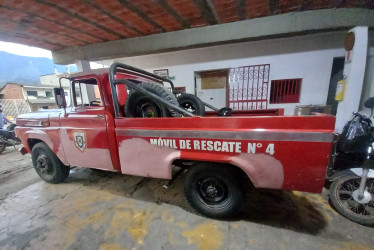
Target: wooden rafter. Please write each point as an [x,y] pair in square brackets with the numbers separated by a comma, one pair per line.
[305,5]
[94,6]
[174,14]
[54,22]
[273,7]
[25,24]
[338,3]
[79,17]
[140,13]
[209,13]
[242,13]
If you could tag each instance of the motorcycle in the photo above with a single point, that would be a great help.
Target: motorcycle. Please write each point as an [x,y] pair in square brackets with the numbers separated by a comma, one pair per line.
[351,174]
[8,138]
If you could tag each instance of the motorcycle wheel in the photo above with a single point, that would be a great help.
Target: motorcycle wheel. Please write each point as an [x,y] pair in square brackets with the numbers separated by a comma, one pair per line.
[2,147]
[342,194]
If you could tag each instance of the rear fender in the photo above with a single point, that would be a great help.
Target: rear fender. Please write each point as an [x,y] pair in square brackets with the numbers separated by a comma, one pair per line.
[264,171]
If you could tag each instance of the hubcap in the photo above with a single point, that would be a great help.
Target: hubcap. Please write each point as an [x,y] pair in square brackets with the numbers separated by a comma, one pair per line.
[148,109]
[365,199]
[212,189]
[189,107]
[349,198]
[43,164]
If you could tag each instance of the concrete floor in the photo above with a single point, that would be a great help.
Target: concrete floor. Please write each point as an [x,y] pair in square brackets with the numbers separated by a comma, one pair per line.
[104,210]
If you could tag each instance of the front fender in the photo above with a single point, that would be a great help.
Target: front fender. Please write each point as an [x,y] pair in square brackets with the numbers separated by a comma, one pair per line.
[51,137]
[355,171]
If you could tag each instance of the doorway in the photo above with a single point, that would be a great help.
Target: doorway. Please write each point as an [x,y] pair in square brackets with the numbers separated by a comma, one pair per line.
[336,75]
[211,86]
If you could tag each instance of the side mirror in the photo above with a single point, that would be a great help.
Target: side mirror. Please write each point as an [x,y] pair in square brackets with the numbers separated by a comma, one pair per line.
[369,103]
[60,97]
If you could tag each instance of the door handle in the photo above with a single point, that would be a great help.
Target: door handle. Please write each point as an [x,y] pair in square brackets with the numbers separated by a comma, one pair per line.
[101,116]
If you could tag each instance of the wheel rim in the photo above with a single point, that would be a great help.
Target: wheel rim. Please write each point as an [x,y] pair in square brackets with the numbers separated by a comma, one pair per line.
[212,190]
[188,106]
[148,109]
[44,165]
[346,193]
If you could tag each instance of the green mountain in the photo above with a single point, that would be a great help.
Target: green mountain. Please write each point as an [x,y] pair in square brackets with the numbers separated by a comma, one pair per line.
[27,70]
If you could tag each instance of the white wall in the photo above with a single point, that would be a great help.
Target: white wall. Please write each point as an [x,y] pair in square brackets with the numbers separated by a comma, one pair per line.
[41,92]
[368,87]
[308,57]
[54,80]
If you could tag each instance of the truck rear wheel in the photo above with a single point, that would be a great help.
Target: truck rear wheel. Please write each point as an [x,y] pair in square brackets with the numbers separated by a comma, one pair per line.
[139,105]
[214,190]
[47,165]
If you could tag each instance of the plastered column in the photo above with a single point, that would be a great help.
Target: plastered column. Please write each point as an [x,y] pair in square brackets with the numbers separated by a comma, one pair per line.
[82,65]
[354,71]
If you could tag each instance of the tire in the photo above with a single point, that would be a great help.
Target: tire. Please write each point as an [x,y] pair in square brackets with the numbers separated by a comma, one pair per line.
[140,105]
[2,148]
[213,190]
[192,104]
[47,165]
[342,200]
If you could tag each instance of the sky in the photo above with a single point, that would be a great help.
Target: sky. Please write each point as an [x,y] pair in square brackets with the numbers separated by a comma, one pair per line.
[24,50]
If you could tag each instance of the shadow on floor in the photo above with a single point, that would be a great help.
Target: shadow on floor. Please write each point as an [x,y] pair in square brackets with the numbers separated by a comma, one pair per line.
[282,209]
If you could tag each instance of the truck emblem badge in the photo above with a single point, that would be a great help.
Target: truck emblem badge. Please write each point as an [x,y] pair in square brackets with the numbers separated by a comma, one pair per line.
[80,140]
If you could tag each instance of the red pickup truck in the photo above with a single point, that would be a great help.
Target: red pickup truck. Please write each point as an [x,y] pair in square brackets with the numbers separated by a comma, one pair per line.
[98,130]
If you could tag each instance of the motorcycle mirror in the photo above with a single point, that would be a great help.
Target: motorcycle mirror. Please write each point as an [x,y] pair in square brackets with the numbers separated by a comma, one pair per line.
[369,103]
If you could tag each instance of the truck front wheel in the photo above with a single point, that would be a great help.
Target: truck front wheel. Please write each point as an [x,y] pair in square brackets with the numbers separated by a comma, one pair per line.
[214,190]
[47,165]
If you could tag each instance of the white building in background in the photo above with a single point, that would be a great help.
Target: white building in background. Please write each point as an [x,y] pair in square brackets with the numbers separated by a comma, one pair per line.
[53,81]
[303,70]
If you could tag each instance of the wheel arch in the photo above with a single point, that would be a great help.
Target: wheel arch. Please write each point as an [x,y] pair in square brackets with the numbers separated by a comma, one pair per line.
[194,163]
[31,142]
[263,171]
[34,137]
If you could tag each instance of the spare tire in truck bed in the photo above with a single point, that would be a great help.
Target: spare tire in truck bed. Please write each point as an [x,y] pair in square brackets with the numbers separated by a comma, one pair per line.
[140,105]
[192,104]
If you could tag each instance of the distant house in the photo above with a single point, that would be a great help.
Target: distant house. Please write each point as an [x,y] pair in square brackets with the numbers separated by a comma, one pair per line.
[11,91]
[54,80]
[13,100]
[38,97]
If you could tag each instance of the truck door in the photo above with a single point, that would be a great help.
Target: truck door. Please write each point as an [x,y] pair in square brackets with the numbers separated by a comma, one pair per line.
[84,128]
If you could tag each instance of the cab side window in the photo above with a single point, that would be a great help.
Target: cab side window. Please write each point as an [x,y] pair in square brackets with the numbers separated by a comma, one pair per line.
[86,93]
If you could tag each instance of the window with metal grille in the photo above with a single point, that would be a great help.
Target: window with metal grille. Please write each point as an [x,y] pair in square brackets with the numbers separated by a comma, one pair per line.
[285,91]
